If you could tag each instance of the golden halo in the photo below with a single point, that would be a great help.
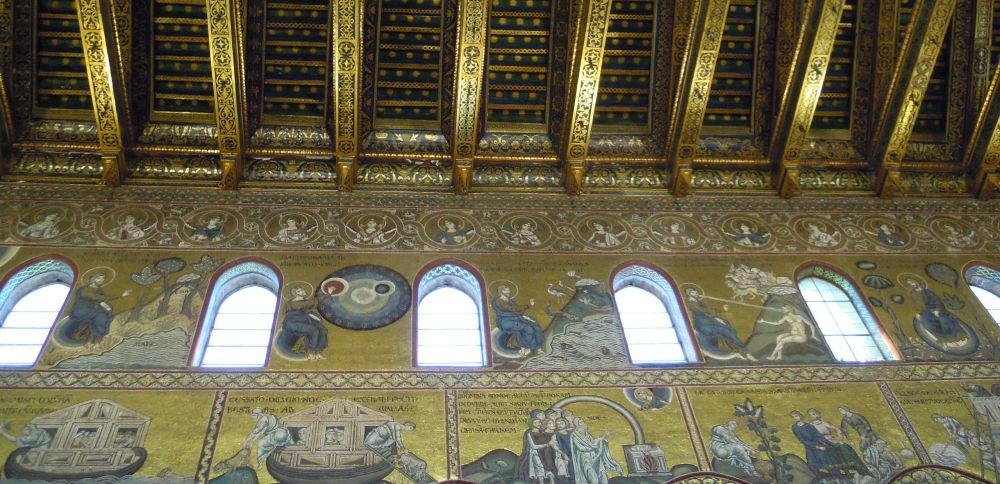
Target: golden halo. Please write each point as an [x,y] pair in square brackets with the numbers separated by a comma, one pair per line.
[297,216]
[139,219]
[516,223]
[210,215]
[494,287]
[59,211]
[292,285]
[108,278]
[690,285]
[909,276]
[456,220]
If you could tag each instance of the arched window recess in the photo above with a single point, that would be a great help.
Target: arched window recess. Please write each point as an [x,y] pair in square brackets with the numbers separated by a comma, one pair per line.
[31,299]
[238,319]
[656,331]
[984,281]
[842,317]
[450,318]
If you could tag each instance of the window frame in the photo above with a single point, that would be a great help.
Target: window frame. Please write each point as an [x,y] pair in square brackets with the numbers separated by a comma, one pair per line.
[421,290]
[65,274]
[228,280]
[992,285]
[862,307]
[668,294]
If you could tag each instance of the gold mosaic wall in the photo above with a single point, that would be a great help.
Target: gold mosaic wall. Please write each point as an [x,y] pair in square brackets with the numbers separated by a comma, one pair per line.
[355,409]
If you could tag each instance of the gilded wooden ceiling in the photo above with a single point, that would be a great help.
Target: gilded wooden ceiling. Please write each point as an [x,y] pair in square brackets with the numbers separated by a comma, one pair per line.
[651,97]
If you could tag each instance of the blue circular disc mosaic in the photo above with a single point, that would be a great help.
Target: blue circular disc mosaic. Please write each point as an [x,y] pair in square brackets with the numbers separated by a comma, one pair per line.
[363,297]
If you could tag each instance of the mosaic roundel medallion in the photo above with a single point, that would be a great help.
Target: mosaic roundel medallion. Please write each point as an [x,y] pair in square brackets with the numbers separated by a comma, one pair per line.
[363,297]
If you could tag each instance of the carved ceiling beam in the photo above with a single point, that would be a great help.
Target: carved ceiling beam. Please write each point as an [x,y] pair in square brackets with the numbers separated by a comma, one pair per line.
[470,47]
[588,36]
[226,30]
[6,63]
[708,20]
[347,23]
[6,126]
[979,56]
[802,90]
[915,62]
[105,71]
[982,153]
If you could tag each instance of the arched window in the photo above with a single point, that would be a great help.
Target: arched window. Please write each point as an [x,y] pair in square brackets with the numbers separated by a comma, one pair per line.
[985,284]
[850,330]
[30,302]
[239,317]
[450,316]
[651,317]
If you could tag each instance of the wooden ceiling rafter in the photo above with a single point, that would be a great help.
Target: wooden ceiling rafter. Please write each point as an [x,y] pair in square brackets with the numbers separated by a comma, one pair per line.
[982,154]
[807,72]
[226,34]
[470,50]
[347,22]
[6,115]
[101,47]
[587,35]
[701,51]
[914,66]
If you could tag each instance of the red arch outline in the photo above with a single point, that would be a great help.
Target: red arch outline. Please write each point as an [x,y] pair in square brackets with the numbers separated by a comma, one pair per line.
[699,358]
[864,300]
[484,320]
[211,291]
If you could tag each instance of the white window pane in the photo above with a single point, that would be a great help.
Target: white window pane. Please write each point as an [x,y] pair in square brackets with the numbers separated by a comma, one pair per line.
[853,325]
[995,314]
[864,348]
[45,298]
[989,300]
[637,299]
[447,300]
[243,321]
[18,355]
[250,299]
[841,350]
[22,319]
[448,321]
[656,353]
[645,320]
[450,356]
[809,290]
[449,337]
[239,337]
[821,314]
[23,336]
[650,336]
[449,329]
[228,356]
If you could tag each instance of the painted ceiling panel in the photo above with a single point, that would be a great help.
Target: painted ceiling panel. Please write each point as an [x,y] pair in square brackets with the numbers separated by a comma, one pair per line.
[932,119]
[408,78]
[730,102]
[61,73]
[296,63]
[182,71]
[518,65]
[995,38]
[833,111]
[623,99]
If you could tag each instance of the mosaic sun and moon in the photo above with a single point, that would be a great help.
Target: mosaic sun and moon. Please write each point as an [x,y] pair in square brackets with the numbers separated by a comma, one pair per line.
[118,318]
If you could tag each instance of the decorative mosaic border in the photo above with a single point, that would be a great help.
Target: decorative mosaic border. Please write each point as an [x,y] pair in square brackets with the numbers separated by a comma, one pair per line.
[414,380]
[500,223]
